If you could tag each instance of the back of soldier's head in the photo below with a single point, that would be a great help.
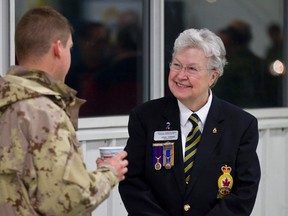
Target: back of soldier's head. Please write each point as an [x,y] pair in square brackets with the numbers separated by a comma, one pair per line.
[38,29]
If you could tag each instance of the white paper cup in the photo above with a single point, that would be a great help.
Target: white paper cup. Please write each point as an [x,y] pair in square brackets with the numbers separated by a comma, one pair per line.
[111,151]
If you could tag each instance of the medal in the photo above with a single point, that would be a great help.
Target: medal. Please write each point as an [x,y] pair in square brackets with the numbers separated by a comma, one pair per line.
[168,165]
[163,155]
[157,164]
[157,156]
[169,155]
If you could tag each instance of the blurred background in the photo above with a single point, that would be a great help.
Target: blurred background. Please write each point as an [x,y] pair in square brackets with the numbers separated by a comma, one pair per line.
[111,65]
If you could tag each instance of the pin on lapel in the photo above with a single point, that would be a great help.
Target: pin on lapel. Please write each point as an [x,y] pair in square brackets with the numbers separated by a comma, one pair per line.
[214,131]
[168,125]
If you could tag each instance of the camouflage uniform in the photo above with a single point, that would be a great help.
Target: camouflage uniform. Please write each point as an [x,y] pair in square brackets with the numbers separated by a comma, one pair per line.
[41,166]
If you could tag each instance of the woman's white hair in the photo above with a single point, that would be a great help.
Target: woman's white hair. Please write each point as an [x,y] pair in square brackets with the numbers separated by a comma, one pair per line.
[206,40]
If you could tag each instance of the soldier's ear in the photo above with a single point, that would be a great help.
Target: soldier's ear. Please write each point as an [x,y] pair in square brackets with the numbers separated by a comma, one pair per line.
[57,48]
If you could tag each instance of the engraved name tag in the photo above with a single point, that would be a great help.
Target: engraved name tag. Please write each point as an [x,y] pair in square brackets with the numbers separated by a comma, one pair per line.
[166,135]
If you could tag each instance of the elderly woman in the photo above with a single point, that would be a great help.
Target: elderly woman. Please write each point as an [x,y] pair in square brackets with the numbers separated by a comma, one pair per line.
[192,153]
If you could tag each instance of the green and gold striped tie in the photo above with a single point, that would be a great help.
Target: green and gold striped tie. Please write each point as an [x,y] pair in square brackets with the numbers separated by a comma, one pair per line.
[191,146]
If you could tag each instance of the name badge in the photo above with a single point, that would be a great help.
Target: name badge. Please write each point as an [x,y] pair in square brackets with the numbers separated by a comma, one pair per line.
[166,135]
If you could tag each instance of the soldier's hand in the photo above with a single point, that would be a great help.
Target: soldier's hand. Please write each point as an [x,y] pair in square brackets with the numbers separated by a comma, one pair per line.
[118,162]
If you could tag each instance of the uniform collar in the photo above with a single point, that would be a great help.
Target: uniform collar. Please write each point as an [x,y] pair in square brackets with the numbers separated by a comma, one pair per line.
[42,83]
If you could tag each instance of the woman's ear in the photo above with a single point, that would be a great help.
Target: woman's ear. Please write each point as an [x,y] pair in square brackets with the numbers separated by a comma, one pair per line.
[213,78]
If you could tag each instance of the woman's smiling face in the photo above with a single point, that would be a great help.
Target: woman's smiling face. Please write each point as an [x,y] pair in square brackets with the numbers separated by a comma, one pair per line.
[191,84]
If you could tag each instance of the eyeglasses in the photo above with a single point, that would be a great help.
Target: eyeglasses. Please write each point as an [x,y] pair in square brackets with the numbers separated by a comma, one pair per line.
[191,70]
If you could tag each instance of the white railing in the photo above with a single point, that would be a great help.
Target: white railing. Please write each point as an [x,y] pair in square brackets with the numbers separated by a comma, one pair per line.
[96,132]
[272,150]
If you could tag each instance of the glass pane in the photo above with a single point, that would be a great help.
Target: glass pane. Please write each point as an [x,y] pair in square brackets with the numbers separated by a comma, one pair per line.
[107,57]
[253,37]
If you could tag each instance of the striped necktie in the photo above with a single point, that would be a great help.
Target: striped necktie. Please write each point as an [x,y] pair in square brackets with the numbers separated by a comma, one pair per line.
[191,146]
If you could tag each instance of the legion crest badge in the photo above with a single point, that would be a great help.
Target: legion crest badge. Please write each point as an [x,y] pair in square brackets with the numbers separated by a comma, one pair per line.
[225,182]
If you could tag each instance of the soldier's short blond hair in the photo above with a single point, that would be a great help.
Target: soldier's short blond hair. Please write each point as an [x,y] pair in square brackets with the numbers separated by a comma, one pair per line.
[38,29]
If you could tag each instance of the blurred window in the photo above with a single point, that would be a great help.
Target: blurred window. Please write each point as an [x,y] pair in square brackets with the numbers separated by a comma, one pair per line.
[252,32]
[107,57]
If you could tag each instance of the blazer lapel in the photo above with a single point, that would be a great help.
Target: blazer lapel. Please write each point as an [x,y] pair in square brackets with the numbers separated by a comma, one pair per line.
[172,115]
[209,139]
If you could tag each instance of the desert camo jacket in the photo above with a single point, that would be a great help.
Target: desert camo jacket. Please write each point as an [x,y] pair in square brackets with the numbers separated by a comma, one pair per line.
[41,166]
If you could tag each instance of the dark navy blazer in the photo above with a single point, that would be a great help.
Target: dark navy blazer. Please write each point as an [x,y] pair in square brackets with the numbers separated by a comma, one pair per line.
[230,137]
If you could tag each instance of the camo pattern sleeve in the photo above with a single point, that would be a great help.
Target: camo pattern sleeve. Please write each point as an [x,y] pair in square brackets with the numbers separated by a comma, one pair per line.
[41,166]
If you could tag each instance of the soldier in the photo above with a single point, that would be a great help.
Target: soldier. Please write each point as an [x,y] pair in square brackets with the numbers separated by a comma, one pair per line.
[41,167]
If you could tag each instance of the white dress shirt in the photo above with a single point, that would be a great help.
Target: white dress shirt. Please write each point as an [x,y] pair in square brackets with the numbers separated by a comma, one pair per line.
[186,125]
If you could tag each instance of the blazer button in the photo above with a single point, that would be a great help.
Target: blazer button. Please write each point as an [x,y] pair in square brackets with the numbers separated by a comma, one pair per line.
[186,207]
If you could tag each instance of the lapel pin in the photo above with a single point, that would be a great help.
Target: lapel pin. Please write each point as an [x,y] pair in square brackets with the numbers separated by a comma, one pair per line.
[168,125]
[214,130]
